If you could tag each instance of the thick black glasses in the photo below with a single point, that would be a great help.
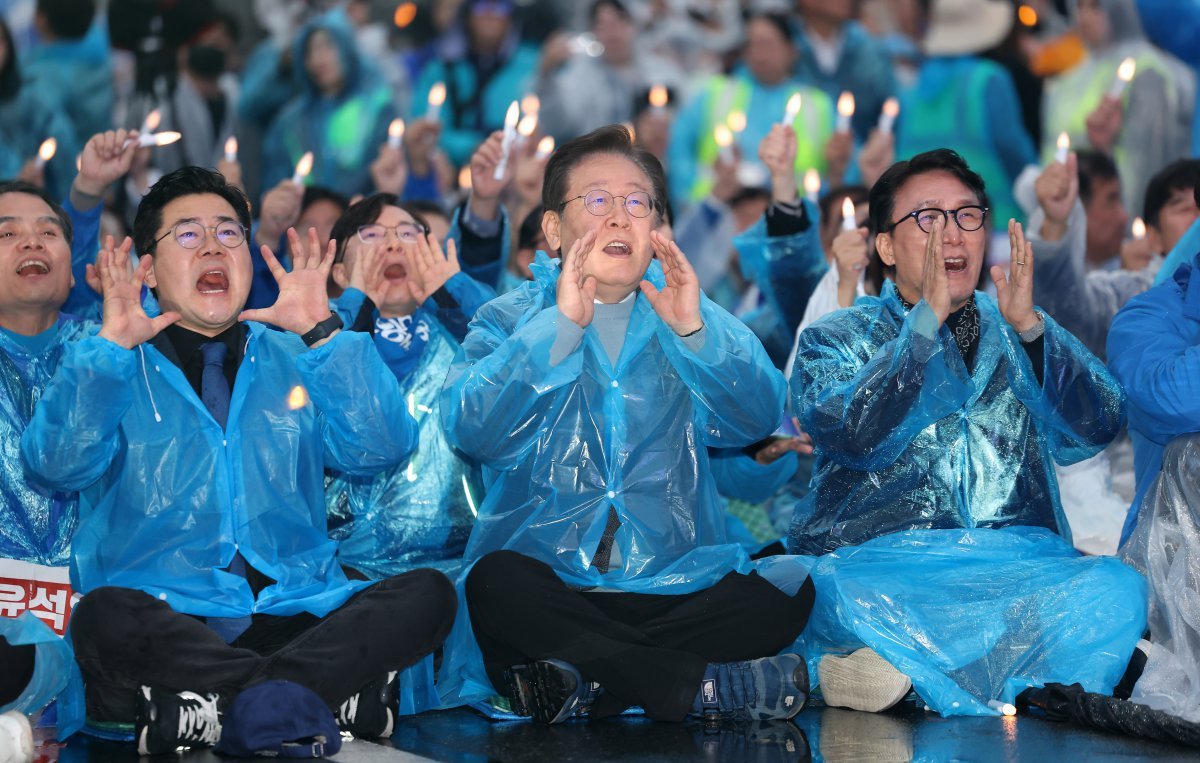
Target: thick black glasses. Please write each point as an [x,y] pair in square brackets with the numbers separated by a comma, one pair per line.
[968,218]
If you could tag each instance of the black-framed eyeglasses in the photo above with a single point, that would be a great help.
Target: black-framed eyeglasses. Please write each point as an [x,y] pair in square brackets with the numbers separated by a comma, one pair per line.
[406,233]
[969,218]
[190,234]
[599,203]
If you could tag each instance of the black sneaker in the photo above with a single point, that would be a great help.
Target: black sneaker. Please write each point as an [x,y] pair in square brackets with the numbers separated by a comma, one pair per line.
[371,713]
[166,722]
[551,691]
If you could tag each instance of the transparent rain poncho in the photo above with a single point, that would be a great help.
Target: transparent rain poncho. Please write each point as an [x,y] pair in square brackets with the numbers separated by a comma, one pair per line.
[155,470]
[906,438]
[977,615]
[568,441]
[1165,547]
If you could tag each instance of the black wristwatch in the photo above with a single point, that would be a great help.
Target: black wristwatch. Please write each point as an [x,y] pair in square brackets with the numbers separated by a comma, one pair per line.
[322,329]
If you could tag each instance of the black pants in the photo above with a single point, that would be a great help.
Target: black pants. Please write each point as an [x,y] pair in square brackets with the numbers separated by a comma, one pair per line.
[125,639]
[644,649]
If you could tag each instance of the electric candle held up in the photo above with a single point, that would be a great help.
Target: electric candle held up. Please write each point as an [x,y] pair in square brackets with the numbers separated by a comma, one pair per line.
[792,109]
[510,135]
[437,96]
[887,118]
[303,167]
[231,149]
[812,184]
[1124,76]
[545,147]
[845,110]
[849,216]
[658,98]
[1064,145]
[45,152]
[395,134]
[1138,229]
[724,138]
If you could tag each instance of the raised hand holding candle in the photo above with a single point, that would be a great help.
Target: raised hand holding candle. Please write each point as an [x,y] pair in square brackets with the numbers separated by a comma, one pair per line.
[231,149]
[849,216]
[887,118]
[437,96]
[303,167]
[1064,145]
[1124,76]
[793,108]
[845,110]
[45,152]
[395,134]
[510,135]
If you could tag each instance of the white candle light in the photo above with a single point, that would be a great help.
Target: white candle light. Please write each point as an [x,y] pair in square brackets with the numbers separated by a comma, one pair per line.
[736,121]
[812,184]
[545,147]
[793,108]
[724,138]
[150,123]
[526,128]
[437,96]
[231,149]
[1138,229]
[531,105]
[1004,708]
[303,167]
[887,118]
[849,216]
[1124,76]
[395,134]
[45,152]
[510,135]
[659,97]
[1064,145]
[159,139]
[464,178]
[845,110]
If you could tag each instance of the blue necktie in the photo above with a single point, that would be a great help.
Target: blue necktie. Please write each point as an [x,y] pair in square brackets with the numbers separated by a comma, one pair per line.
[214,387]
[214,393]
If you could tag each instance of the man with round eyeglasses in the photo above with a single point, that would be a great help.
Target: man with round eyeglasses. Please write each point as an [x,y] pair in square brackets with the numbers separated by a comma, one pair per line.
[198,439]
[937,414]
[602,574]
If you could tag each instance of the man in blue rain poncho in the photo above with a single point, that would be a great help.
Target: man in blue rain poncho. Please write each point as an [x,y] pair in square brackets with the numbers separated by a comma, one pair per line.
[197,443]
[594,402]
[937,411]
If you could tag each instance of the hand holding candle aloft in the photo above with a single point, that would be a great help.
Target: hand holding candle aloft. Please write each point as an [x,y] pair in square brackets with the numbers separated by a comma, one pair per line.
[812,185]
[45,152]
[1104,124]
[510,135]
[106,158]
[395,134]
[1136,252]
[777,152]
[437,96]
[303,167]
[887,117]
[1057,188]
[1124,76]
[790,112]
[845,110]
[389,171]
[486,187]
[850,258]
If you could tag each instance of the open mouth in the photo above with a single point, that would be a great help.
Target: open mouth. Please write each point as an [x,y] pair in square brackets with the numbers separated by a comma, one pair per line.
[213,282]
[617,249]
[394,272]
[956,264]
[33,268]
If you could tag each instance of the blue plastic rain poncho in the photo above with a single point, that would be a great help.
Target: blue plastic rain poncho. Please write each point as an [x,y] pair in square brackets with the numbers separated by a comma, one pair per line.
[344,131]
[154,468]
[907,438]
[53,662]
[418,514]
[36,522]
[976,615]
[1181,254]
[566,442]
[1154,351]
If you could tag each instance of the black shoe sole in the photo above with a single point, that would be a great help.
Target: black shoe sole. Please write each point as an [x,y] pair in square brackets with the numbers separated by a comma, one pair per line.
[543,691]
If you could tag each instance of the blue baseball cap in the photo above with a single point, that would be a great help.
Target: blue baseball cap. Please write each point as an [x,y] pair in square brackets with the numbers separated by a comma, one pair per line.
[278,719]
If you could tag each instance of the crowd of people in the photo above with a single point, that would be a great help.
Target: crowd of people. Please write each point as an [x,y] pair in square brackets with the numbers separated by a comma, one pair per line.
[682,358]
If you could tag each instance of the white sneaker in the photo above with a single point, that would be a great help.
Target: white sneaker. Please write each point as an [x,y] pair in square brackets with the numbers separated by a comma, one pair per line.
[16,738]
[861,680]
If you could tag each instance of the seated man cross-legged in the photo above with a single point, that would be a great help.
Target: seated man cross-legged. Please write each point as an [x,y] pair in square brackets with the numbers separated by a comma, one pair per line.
[602,576]
[198,440]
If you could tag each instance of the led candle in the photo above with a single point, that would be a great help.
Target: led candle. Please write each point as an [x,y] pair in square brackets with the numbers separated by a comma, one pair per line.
[437,96]
[231,149]
[845,110]
[45,152]
[887,118]
[1064,145]
[793,108]
[395,134]
[1124,76]
[303,167]
[812,184]
[510,135]
[849,217]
